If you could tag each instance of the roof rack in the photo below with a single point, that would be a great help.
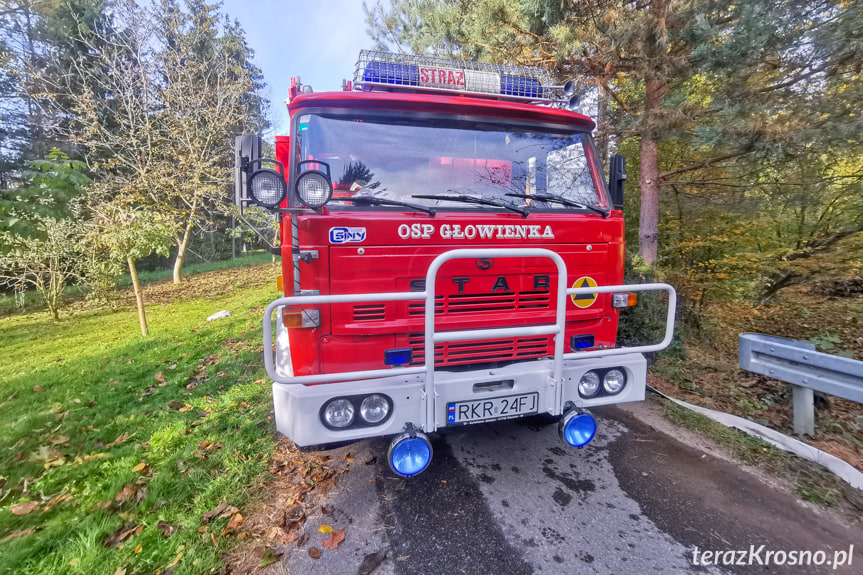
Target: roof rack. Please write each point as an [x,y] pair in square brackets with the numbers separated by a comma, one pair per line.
[387,71]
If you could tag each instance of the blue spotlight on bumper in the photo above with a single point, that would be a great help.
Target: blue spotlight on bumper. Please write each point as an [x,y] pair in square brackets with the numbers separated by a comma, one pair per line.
[577,428]
[410,453]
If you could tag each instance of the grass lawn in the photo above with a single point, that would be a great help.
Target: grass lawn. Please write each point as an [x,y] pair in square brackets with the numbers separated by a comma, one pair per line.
[114,445]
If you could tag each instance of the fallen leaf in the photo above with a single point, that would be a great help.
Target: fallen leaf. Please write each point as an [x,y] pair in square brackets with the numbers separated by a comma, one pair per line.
[235,523]
[303,540]
[202,529]
[120,571]
[104,504]
[141,494]
[20,456]
[24,508]
[220,508]
[143,466]
[139,548]
[166,528]
[371,561]
[290,537]
[326,510]
[118,441]
[325,529]
[56,500]
[177,558]
[335,538]
[121,534]
[59,440]
[172,366]
[228,512]
[160,378]
[270,557]
[74,562]
[315,553]
[213,537]
[48,457]
[17,534]
[295,519]
[37,388]
[150,391]
[126,493]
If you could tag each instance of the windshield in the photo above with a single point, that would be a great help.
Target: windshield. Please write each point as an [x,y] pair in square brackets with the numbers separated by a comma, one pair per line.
[399,158]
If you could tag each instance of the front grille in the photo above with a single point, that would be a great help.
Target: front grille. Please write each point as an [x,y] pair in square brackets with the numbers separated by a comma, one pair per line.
[487,302]
[483,351]
[370,312]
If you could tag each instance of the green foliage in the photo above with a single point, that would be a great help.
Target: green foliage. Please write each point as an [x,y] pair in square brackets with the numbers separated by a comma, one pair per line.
[47,190]
[46,262]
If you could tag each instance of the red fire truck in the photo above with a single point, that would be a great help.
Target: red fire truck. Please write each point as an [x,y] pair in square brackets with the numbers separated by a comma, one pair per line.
[452,255]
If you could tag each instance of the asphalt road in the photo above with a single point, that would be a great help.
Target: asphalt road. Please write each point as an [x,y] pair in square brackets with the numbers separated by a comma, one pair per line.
[511,498]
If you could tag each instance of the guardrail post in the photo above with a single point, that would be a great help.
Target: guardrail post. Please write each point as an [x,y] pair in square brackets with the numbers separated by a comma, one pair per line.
[804,410]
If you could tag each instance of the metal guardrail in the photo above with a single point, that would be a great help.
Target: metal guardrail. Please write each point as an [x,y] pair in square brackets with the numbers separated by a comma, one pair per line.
[798,363]
[432,337]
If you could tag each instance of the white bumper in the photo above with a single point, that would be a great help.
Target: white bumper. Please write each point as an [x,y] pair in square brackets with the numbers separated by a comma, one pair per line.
[298,407]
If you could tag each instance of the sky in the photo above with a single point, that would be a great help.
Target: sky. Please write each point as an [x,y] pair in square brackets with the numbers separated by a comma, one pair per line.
[317,40]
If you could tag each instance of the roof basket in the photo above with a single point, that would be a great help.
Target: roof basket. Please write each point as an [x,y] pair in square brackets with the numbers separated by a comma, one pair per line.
[387,71]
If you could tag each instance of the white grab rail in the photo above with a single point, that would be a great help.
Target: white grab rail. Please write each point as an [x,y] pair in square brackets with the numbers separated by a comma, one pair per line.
[432,337]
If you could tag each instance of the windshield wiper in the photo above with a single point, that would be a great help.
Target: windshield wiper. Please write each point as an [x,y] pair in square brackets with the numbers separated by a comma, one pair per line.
[372,201]
[561,200]
[472,200]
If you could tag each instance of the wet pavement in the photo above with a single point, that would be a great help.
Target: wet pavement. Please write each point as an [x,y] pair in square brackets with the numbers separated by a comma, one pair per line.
[511,498]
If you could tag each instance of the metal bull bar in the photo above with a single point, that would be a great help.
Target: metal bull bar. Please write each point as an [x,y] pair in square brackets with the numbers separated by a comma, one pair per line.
[432,337]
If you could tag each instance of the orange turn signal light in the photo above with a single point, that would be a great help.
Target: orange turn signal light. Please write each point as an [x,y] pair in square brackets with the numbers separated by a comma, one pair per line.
[624,299]
[292,317]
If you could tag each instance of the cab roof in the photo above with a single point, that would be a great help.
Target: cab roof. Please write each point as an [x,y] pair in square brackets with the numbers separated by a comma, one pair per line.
[454,105]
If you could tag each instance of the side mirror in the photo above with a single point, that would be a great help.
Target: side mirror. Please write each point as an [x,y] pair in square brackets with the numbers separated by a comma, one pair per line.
[247,149]
[616,177]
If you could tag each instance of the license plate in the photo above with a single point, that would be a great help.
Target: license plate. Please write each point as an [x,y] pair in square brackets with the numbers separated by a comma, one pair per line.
[474,411]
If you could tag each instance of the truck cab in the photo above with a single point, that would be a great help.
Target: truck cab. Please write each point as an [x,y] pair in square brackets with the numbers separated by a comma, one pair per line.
[453,254]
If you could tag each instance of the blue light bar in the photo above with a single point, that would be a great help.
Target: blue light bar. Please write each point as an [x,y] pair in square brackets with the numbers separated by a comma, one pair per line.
[391,73]
[520,86]
[381,70]
[398,356]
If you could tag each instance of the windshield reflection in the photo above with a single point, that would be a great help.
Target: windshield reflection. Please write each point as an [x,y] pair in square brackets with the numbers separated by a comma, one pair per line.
[395,160]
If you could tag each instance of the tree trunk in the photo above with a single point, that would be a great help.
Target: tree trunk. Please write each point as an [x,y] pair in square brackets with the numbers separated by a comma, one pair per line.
[139,298]
[648,231]
[602,126]
[183,245]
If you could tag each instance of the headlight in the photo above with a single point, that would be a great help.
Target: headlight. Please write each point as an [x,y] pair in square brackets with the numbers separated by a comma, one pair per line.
[339,413]
[589,384]
[374,408]
[613,381]
[314,188]
[267,188]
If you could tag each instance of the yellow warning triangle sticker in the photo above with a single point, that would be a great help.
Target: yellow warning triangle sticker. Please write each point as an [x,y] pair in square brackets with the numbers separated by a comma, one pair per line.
[586,299]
